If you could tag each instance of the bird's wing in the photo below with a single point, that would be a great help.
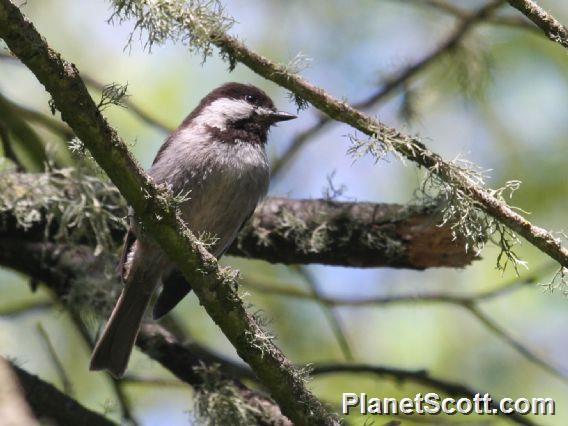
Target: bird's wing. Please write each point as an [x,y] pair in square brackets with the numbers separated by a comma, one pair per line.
[175,287]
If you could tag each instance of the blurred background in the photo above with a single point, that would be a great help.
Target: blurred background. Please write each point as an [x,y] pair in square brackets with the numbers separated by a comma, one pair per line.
[500,99]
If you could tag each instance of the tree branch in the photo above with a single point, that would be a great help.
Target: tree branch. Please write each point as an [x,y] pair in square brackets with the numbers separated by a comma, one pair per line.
[64,130]
[7,149]
[462,28]
[63,269]
[551,27]
[48,403]
[330,314]
[215,287]
[50,123]
[133,107]
[281,230]
[410,147]
[468,302]
[416,376]
[506,21]
[29,140]
[350,234]
[452,9]
[58,265]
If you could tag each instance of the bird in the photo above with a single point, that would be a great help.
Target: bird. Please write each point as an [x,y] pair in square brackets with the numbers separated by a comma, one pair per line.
[217,157]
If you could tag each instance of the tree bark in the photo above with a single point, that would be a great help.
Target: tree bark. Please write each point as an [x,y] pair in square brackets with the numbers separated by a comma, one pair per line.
[282,230]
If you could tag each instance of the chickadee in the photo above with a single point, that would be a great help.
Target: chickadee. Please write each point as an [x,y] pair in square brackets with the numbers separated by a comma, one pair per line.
[217,155]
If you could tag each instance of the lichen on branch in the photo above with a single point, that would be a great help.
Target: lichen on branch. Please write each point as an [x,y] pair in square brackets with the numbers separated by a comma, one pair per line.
[407,146]
[161,220]
[158,21]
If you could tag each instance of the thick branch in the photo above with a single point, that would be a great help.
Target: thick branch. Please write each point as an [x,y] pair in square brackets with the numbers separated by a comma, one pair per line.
[51,405]
[215,288]
[551,27]
[350,234]
[281,230]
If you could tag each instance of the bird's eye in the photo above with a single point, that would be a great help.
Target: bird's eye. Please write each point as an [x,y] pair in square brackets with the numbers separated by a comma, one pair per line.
[250,99]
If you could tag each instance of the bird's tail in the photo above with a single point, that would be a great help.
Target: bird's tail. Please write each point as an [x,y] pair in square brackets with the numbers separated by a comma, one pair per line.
[113,349]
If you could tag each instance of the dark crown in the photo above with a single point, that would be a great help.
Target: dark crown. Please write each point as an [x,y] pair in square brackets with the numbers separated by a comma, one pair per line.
[246,92]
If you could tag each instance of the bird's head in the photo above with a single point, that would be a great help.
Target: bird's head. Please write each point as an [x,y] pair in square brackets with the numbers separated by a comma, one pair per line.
[237,109]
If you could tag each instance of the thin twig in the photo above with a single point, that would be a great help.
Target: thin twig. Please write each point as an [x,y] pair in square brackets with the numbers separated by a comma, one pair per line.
[67,385]
[501,20]
[416,376]
[287,290]
[61,128]
[468,302]
[7,146]
[463,27]
[504,335]
[329,313]
[131,106]
[551,27]
[48,403]
[50,123]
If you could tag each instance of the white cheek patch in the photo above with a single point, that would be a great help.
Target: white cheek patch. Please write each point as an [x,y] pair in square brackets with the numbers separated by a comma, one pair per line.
[223,111]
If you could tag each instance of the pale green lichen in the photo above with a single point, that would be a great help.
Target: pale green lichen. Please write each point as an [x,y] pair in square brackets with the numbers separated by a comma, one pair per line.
[113,94]
[94,291]
[195,23]
[558,282]
[84,208]
[218,401]
[464,215]
[457,208]
[375,147]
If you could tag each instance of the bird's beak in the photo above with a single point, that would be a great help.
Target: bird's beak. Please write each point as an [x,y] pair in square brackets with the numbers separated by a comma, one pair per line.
[281,116]
[273,117]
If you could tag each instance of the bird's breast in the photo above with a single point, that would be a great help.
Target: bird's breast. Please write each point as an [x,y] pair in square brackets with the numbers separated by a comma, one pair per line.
[224,183]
